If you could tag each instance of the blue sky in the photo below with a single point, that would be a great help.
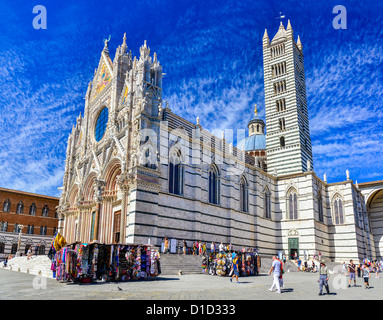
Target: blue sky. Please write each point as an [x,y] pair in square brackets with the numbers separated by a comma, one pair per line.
[211,52]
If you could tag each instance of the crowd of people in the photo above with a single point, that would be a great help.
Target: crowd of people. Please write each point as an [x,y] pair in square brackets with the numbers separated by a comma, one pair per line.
[201,248]
[351,270]
[362,270]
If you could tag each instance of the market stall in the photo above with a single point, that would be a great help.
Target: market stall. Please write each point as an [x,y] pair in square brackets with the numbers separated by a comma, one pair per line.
[80,262]
[221,263]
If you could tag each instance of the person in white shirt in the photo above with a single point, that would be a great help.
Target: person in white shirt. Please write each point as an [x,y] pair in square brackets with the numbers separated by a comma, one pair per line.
[276,269]
[221,247]
[212,247]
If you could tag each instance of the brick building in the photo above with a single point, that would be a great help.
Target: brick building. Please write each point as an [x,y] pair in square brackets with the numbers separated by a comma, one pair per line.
[32,214]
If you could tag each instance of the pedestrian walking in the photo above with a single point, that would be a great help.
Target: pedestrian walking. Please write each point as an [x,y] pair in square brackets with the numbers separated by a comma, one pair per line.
[366,276]
[5,261]
[299,264]
[281,283]
[29,253]
[351,273]
[377,270]
[221,247]
[323,278]
[276,270]
[36,250]
[235,268]
[185,247]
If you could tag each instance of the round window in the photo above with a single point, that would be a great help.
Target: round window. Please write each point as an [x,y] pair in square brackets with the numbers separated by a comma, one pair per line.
[101,123]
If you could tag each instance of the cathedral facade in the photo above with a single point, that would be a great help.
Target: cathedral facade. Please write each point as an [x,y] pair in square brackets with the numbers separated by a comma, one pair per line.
[136,172]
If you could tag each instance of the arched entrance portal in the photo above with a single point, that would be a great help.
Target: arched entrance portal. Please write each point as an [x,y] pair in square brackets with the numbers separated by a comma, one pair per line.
[375,212]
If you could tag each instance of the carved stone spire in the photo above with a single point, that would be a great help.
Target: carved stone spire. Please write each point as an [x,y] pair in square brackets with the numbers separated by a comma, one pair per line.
[124,47]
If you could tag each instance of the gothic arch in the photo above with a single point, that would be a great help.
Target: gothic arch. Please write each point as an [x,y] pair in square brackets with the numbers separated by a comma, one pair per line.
[214,184]
[372,196]
[73,196]
[374,206]
[89,187]
[112,170]
[337,209]
[292,204]
[244,193]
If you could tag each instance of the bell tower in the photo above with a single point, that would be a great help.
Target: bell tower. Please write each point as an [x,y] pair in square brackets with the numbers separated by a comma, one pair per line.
[288,141]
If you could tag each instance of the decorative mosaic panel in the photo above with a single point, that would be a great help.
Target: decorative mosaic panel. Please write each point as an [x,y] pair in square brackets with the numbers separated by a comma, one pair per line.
[125,96]
[103,79]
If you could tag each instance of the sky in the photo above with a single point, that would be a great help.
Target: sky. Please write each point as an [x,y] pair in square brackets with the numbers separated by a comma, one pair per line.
[211,52]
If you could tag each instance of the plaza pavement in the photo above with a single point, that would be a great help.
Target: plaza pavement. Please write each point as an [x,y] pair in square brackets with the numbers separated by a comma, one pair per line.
[298,286]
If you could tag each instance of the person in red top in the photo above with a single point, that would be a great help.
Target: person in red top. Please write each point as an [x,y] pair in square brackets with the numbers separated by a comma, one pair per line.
[281,276]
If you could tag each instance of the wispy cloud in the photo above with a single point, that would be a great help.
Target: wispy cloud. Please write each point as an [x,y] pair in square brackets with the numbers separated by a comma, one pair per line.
[212,55]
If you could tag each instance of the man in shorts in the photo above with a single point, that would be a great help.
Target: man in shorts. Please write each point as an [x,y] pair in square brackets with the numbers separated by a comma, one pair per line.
[366,275]
[351,273]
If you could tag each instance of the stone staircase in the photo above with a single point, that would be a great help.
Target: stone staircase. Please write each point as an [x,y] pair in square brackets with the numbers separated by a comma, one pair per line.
[40,265]
[171,264]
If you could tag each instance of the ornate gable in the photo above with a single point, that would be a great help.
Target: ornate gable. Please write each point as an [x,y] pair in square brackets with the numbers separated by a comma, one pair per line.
[104,73]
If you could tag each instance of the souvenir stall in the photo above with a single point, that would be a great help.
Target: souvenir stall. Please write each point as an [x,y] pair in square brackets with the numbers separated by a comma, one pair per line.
[79,262]
[220,264]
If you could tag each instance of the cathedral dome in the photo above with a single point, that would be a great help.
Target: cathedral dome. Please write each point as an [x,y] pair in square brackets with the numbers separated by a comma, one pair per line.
[253,142]
[256,139]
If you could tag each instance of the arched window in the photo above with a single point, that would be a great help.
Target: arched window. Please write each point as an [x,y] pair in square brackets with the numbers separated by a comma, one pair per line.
[338,211]
[176,173]
[214,185]
[101,124]
[244,195]
[32,209]
[7,205]
[20,207]
[267,203]
[45,211]
[292,205]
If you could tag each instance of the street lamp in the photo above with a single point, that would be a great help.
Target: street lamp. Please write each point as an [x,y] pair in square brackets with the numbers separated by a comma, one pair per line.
[18,253]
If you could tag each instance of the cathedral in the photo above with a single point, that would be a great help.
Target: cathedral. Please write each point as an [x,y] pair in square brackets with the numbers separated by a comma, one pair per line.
[136,172]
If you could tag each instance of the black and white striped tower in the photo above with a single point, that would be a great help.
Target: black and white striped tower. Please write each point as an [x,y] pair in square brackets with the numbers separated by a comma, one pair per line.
[288,141]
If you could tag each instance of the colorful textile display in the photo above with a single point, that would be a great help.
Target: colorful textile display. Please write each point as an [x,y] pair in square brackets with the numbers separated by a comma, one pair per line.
[79,262]
[220,264]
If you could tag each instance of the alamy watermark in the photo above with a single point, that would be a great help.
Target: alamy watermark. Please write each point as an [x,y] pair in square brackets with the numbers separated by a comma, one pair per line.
[40,20]
[340,20]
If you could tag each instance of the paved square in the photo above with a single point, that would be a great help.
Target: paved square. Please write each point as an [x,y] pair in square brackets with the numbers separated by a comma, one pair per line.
[298,285]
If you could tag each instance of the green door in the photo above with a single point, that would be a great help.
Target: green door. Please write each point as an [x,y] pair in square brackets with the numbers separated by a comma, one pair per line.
[293,248]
